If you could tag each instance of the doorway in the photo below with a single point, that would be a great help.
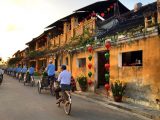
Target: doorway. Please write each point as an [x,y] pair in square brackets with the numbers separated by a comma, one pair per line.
[101,69]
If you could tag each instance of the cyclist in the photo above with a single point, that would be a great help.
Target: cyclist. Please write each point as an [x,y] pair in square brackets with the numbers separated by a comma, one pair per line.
[31,72]
[24,70]
[65,80]
[51,73]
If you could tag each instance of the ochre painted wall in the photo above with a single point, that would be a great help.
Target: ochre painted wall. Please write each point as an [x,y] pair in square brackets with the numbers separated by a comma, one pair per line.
[143,82]
[76,71]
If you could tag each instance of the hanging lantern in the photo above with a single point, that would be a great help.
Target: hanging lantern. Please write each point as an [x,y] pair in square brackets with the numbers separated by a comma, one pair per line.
[93,14]
[111,6]
[107,76]
[90,57]
[89,65]
[107,66]
[106,55]
[107,86]
[90,74]
[90,82]
[108,45]
[90,49]
[102,14]
[108,9]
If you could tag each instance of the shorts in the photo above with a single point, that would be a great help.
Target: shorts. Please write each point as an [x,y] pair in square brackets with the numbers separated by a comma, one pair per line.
[65,87]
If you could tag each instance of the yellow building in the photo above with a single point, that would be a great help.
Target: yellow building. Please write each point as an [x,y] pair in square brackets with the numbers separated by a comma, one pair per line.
[134,53]
[37,52]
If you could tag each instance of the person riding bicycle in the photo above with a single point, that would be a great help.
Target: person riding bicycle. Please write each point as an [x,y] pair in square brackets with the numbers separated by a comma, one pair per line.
[24,70]
[31,72]
[18,71]
[65,80]
[51,72]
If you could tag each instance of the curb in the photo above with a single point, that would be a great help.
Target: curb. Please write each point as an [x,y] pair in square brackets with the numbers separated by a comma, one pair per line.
[140,114]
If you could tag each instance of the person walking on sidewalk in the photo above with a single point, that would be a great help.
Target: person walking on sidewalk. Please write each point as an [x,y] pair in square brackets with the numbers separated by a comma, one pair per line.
[51,73]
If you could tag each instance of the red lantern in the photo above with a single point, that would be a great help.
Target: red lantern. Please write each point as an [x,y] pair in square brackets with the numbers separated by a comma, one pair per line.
[108,45]
[107,66]
[93,14]
[111,6]
[90,48]
[90,82]
[107,86]
[102,14]
[89,65]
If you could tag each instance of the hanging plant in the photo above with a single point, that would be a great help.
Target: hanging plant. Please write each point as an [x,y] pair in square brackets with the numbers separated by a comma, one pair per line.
[89,65]
[106,55]
[90,57]
[89,74]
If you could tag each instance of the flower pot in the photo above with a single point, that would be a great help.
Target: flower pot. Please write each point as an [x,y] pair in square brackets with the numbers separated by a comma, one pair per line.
[83,88]
[117,98]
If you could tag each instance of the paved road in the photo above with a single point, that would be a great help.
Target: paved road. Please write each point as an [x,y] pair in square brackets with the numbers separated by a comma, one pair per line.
[19,102]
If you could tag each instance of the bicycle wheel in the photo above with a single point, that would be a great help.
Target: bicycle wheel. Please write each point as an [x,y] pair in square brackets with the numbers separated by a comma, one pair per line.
[39,88]
[67,107]
[52,89]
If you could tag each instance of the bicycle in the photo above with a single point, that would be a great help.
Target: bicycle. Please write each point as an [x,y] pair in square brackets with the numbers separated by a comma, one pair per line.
[43,84]
[66,101]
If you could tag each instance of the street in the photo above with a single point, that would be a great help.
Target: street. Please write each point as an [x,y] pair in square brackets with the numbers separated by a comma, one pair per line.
[19,102]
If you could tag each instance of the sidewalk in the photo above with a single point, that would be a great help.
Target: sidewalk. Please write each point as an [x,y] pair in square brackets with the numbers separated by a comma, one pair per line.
[143,111]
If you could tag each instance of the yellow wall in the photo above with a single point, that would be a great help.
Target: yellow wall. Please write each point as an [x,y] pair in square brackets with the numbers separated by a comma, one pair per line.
[144,82]
[76,71]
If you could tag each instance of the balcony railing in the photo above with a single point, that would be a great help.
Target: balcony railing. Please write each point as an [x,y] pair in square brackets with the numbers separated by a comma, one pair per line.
[78,30]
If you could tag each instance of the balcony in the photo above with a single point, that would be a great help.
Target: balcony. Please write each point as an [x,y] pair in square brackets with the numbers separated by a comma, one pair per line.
[62,39]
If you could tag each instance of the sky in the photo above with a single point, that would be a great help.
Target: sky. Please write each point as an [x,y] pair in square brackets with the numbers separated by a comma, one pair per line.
[23,20]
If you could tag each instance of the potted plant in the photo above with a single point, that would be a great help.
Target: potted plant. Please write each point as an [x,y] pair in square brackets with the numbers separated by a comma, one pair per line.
[82,80]
[118,90]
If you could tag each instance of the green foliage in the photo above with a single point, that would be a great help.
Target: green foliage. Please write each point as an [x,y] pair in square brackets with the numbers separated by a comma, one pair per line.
[36,74]
[34,54]
[118,88]
[82,80]
[13,61]
[44,74]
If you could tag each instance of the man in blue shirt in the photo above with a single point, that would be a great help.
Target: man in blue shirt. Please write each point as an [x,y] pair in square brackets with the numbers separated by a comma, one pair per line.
[24,70]
[31,71]
[51,72]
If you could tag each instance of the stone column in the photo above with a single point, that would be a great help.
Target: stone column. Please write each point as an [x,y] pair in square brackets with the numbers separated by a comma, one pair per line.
[74,23]
[146,22]
[153,20]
